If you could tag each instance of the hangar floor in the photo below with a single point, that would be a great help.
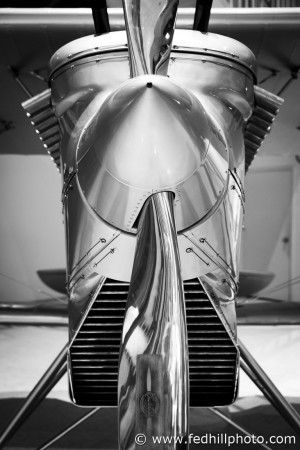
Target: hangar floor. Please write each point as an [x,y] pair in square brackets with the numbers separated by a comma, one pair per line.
[26,351]
[100,430]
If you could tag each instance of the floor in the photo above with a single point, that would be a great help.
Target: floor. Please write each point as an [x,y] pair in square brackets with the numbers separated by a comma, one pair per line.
[26,352]
[100,430]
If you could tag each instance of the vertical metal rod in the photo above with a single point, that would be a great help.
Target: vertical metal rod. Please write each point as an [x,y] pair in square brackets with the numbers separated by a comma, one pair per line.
[15,76]
[50,378]
[286,84]
[68,429]
[100,16]
[153,371]
[202,15]
[235,425]
[270,391]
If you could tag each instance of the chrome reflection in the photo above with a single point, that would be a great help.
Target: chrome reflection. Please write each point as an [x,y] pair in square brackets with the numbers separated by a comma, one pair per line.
[219,290]
[150,29]
[123,142]
[150,139]
[153,369]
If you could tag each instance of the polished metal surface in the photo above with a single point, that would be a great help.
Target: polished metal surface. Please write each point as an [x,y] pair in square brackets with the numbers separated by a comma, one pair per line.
[95,250]
[80,300]
[152,135]
[204,44]
[149,27]
[209,245]
[212,44]
[125,144]
[153,369]
[222,296]
[153,192]
[124,140]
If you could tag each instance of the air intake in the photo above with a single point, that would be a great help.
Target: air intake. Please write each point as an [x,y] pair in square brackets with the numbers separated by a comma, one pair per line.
[94,353]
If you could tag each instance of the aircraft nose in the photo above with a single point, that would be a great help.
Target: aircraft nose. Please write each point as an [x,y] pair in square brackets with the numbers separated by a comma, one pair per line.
[150,135]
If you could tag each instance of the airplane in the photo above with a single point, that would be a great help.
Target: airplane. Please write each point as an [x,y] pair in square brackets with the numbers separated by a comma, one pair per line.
[149,137]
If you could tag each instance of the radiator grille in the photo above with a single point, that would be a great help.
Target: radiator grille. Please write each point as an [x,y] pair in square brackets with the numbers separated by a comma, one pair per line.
[94,354]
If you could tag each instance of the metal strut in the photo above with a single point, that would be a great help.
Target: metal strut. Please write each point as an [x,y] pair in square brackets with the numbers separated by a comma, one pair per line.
[202,15]
[235,425]
[50,378]
[100,16]
[69,428]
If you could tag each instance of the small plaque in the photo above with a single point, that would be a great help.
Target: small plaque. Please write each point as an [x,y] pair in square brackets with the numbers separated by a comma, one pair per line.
[149,404]
[150,413]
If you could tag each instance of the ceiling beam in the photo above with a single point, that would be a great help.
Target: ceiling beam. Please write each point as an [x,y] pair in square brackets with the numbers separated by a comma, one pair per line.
[185,16]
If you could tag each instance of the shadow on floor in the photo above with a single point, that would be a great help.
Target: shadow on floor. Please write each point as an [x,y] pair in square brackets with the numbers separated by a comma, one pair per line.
[100,430]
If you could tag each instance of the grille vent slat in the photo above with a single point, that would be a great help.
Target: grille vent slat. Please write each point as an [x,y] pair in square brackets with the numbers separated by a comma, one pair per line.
[259,125]
[94,354]
[42,117]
